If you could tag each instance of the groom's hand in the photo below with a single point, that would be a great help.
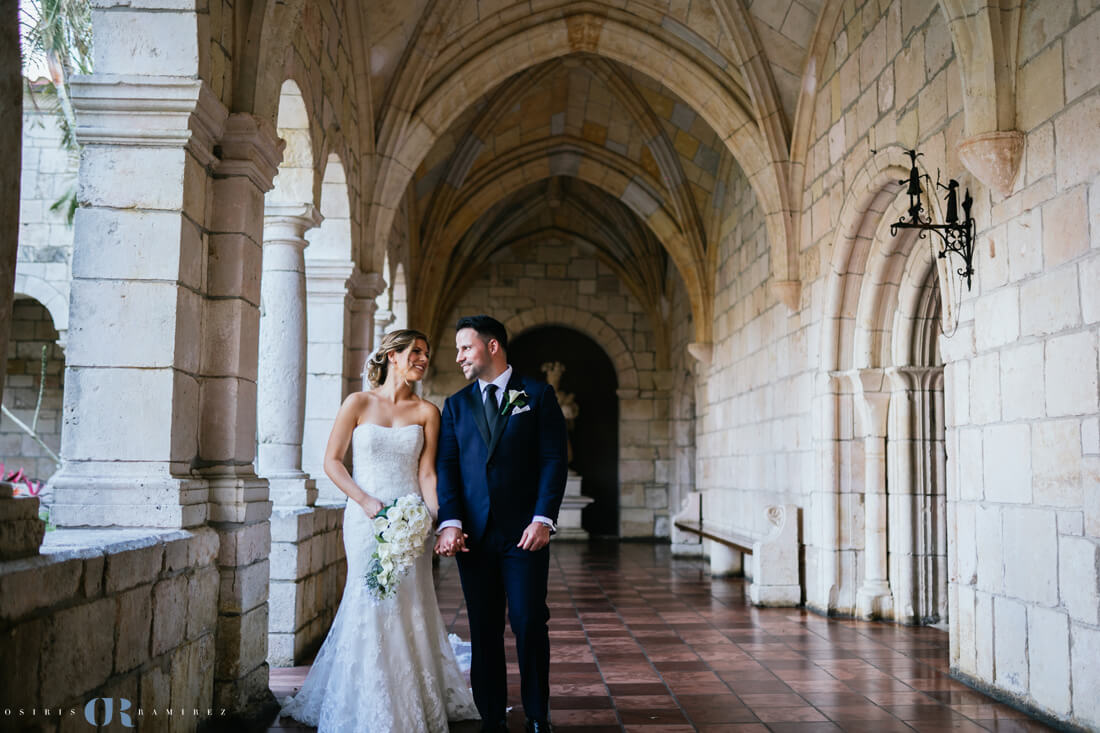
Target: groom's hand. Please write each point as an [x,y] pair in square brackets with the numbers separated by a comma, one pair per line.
[535,537]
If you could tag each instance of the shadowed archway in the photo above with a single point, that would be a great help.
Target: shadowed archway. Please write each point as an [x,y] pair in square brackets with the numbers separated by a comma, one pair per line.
[589,377]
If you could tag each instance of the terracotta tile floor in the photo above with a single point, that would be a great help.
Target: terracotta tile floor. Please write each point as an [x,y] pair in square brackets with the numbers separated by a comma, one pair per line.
[644,642]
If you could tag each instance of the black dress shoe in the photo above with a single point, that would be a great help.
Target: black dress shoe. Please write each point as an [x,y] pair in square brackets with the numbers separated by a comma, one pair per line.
[498,727]
[539,726]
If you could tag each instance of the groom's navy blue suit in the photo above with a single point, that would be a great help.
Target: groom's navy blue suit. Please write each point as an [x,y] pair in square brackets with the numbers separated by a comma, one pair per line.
[496,482]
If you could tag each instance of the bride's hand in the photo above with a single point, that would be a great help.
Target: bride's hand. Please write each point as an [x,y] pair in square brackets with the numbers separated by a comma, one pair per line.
[371,506]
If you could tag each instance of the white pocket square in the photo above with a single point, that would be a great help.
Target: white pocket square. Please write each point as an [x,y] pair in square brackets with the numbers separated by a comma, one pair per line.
[518,410]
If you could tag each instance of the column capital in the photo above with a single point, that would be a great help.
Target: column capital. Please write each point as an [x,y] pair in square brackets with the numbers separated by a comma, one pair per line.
[872,400]
[703,352]
[383,317]
[290,222]
[328,278]
[912,378]
[366,285]
[148,111]
[250,147]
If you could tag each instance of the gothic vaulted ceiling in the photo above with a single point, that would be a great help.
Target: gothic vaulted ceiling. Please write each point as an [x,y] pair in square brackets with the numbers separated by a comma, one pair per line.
[615,124]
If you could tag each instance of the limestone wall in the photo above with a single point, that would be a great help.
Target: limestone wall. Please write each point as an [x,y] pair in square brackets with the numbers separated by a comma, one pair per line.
[788,409]
[752,417]
[558,284]
[1022,395]
[118,614]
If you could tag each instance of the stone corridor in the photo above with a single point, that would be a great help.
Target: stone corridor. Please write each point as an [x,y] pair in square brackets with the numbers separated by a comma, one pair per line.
[642,641]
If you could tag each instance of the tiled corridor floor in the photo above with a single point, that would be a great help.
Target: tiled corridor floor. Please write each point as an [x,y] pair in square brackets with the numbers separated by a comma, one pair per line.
[644,642]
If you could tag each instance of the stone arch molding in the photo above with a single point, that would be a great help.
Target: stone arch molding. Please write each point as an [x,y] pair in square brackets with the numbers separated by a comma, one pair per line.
[595,328]
[872,193]
[53,300]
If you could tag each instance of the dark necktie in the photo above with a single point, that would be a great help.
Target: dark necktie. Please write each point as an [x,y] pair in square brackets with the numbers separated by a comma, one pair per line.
[492,409]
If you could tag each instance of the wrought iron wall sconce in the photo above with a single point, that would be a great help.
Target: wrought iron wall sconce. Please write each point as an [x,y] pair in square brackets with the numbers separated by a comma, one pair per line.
[957,236]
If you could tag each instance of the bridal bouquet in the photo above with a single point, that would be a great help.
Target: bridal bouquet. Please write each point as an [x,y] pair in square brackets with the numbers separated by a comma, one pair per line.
[401,529]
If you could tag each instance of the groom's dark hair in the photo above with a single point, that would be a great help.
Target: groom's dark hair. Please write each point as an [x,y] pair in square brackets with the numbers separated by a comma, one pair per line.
[487,328]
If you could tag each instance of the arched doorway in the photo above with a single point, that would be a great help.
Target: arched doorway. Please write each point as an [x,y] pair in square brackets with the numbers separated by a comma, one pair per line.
[589,376]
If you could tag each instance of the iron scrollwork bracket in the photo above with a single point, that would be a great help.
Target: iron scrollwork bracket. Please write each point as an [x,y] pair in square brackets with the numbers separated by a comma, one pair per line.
[956,236]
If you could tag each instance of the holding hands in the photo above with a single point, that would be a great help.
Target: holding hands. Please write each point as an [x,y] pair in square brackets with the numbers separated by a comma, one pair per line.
[450,542]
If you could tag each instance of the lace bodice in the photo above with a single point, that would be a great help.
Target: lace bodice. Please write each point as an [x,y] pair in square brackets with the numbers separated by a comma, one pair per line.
[385,460]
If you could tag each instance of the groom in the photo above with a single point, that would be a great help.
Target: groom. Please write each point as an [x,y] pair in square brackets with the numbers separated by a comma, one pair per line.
[502,470]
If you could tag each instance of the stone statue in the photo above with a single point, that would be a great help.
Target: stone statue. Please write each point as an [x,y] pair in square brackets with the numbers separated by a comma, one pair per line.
[569,407]
[573,503]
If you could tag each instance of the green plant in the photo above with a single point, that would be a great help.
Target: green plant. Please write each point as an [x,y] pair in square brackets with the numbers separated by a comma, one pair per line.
[57,39]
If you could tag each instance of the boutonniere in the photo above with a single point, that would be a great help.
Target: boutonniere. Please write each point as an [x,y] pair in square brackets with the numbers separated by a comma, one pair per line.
[516,398]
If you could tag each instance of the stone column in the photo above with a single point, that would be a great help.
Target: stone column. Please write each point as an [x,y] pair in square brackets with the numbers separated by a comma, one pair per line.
[383,317]
[282,378]
[336,294]
[367,324]
[130,432]
[874,598]
[239,503]
[823,546]
[917,501]
[327,339]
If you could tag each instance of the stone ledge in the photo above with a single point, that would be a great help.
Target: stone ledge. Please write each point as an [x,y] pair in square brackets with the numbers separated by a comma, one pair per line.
[78,564]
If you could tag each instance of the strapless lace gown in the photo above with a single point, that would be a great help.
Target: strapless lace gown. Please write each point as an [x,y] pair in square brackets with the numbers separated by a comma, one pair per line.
[385,666]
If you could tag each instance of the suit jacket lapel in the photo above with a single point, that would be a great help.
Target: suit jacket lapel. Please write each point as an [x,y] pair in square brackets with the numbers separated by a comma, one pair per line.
[514,383]
[477,405]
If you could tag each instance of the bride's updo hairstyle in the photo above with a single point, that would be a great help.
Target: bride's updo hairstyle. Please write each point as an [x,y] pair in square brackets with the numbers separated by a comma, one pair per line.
[379,363]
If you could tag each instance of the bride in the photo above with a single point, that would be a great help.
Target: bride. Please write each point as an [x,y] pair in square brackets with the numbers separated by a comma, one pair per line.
[385,665]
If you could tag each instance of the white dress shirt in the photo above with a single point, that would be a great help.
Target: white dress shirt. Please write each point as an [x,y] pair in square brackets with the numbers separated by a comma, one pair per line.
[502,389]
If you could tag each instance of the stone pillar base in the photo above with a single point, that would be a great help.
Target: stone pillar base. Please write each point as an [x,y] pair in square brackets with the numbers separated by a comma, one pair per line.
[297,490]
[874,600]
[775,595]
[114,495]
[569,516]
[21,531]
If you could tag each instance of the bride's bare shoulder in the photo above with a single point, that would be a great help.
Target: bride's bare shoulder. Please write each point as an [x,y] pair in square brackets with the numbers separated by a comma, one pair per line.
[360,399]
[427,408]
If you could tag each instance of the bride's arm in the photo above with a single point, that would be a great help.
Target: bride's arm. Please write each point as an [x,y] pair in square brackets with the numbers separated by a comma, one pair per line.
[427,460]
[337,447]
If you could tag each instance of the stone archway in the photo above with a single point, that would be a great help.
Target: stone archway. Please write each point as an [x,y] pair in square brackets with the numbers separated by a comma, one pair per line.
[588,324]
[636,411]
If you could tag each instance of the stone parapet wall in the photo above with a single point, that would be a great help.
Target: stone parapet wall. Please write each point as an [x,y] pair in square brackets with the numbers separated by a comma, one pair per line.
[308,568]
[113,614]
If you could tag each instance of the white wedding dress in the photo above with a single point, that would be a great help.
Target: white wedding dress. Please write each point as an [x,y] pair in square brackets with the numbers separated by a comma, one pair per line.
[385,666]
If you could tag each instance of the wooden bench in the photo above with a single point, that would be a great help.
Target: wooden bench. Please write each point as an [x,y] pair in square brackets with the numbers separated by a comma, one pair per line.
[740,542]
[775,557]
